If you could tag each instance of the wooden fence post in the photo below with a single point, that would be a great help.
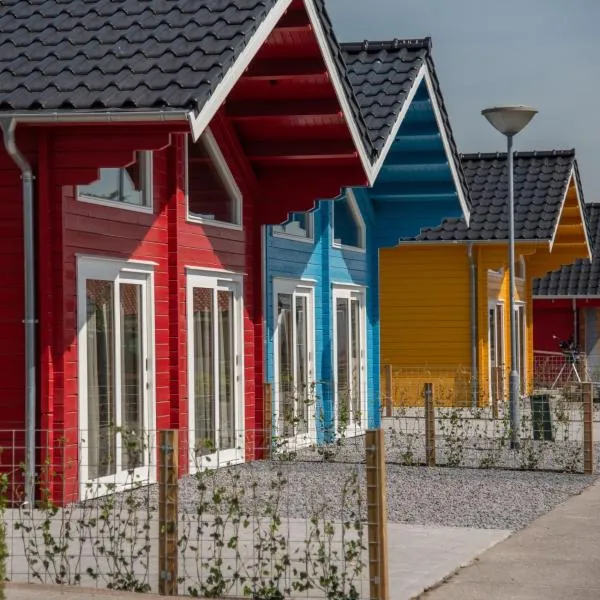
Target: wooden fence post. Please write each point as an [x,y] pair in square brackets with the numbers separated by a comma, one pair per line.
[388,391]
[377,514]
[268,420]
[588,428]
[429,425]
[168,509]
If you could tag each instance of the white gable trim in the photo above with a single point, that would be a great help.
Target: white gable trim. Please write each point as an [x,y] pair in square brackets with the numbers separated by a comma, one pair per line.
[198,123]
[394,131]
[581,209]
[339,90]
[446,142]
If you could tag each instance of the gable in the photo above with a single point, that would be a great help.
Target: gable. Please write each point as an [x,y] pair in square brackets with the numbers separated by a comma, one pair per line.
[571,234]
[417,184]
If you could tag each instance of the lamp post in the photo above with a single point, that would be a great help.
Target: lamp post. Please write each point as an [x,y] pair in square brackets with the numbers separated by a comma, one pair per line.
[509,121]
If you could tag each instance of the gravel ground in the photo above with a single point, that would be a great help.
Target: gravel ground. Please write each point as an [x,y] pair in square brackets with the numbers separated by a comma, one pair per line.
[489,499]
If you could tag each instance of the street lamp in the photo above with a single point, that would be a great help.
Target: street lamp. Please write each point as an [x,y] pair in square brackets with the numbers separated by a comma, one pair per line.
[509,121]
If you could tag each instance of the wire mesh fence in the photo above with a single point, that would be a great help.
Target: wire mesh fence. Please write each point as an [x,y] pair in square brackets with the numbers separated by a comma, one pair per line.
[192,518]
[472,426]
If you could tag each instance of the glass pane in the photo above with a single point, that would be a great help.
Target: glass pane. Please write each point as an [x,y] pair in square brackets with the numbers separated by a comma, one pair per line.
[356,359]
[285,353]
[492,344]
[346,228]
[118,185]
[522,347]
[302,383]
[298,225]
[204,369]
[209,196]
[100,436]
[132,370]
[343,362]
[500,334]
[226,370]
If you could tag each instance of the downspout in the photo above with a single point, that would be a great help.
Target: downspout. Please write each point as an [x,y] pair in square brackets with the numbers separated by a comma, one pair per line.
[8,130]
[473,319]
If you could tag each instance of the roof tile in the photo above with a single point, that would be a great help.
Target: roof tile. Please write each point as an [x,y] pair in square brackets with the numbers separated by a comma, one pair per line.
[541,180]
[82,54]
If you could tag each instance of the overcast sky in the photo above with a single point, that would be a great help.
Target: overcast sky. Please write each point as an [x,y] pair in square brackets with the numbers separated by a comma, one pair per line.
[545,53]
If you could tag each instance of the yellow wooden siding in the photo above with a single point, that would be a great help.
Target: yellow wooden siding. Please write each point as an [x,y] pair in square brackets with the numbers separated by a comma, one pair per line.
[425,334]
[425,310]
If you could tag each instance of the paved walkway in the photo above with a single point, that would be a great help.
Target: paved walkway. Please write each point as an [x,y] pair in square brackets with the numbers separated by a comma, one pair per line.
[557,557]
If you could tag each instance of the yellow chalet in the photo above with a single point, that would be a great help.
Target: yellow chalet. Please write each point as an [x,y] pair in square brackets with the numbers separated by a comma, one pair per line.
[444,294]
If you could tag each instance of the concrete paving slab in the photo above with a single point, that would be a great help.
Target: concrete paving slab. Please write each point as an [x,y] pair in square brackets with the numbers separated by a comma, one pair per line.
[556,557]
[420,556]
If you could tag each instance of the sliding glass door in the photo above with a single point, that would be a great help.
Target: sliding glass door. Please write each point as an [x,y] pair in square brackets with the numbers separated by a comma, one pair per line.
[215,381]
[293,342]
[349,358]
[116,399]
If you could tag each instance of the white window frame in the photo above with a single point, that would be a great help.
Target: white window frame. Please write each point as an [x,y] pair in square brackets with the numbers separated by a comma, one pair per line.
[308,239]
[306,289]
[348,292]
[217,280]
[521,336]
[100,268]
[496,305]
[227,178]
[353,203]
[147,180]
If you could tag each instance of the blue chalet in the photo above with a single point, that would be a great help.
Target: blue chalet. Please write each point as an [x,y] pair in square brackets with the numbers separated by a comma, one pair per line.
[321,268]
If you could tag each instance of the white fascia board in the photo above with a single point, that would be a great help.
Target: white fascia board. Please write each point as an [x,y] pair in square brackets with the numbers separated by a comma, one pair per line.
[199,122]
[447,148]
[573,179]
[394,131]
[339,90]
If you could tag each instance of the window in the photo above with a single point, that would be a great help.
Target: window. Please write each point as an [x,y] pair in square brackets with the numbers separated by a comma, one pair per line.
[115,371]
[299,226]
[294,327]
[129,187]
[349,360]
[216,403]
[348,225]
[521,346]
[212,193]
[496,351]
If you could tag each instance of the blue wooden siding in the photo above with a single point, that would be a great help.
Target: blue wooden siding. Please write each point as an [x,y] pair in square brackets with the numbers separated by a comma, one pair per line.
[415,189]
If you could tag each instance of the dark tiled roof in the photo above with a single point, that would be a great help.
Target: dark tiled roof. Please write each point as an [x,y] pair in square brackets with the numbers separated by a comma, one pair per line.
[82,54]
[582,278]
[383,74]
[541,180]
[132,54]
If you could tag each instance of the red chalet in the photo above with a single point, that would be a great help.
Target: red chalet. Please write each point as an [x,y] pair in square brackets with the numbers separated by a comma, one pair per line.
[566,307]
[146,144]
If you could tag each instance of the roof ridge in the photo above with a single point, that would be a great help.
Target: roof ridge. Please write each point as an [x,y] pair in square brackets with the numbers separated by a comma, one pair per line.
[521,154]
[395,44]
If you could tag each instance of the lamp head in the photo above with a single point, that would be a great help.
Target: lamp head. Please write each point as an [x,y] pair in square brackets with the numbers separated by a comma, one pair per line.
[509,120]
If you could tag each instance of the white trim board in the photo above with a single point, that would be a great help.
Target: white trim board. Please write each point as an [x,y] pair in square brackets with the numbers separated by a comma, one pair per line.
[446,142]
[198,123]
[399,120]
[339,90]
[573,179]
